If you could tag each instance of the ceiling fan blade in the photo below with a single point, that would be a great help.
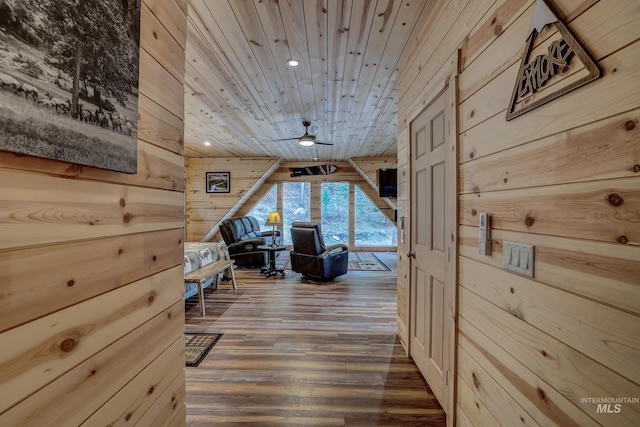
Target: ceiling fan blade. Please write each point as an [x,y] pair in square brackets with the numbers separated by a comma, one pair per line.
[284,139]
[324,143]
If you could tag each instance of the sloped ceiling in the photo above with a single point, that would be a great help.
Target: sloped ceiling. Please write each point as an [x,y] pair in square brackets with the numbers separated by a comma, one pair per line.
[241,94]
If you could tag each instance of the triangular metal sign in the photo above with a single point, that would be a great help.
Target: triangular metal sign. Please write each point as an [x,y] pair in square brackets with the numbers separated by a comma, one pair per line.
[561,64]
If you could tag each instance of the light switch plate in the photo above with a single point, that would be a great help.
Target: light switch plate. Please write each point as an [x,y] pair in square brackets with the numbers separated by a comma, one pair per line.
[518,257]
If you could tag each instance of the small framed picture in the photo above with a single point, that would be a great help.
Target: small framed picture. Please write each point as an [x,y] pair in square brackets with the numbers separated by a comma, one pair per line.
[218,182]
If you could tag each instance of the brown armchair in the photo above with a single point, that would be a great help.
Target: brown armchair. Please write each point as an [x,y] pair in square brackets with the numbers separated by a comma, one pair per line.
[311,258]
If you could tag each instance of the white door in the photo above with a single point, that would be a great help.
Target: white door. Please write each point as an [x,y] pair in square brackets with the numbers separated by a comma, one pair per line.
[431,293]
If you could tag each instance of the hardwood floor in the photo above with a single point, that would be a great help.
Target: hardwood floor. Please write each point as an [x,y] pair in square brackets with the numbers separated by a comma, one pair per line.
[306,354]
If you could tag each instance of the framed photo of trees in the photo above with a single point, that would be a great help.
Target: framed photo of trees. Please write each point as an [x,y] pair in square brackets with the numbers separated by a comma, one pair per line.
[69,80]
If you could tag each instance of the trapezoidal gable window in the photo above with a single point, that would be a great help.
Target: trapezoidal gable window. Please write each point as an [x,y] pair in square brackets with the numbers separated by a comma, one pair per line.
[268,203]
[372,226]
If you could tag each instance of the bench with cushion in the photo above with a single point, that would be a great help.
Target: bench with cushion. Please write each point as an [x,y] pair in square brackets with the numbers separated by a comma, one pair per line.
[206,273]
[198,255]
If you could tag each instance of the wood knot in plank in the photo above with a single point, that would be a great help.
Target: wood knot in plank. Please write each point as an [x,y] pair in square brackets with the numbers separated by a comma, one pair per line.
[615,199]
[623,240]
[71,282]
[545,354]
[636,168]
[476,381]
[529,221]
[123,202]
[630,125]
[542,395]
[151,298]
[68,344]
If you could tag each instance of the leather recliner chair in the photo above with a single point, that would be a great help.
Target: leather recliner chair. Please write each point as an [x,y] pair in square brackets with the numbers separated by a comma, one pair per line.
[242,236]
[311,258]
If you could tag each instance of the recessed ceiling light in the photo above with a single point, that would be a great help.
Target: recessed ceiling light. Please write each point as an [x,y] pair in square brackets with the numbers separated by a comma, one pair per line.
[207,143]
[293,63]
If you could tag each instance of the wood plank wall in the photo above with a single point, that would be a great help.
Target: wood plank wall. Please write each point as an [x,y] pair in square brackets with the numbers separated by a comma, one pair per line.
[204,210]
[91,290]
[530,349]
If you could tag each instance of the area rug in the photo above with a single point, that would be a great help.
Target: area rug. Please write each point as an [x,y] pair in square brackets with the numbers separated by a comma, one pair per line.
[197,346]
[365,261]
[358,261]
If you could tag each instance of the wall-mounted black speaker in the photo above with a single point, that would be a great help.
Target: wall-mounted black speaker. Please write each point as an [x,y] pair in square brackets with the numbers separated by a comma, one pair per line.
[388,182]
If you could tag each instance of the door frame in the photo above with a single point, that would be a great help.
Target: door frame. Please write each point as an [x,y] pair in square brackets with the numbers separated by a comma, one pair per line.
[444,82]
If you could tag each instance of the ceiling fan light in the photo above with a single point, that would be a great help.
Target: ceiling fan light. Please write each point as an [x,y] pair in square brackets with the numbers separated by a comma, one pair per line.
[307,141]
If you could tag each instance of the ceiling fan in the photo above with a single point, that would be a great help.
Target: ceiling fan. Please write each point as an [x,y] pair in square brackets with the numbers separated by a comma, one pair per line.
[307,139]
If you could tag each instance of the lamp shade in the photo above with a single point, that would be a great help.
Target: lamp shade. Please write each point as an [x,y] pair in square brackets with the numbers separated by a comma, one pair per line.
[273,219]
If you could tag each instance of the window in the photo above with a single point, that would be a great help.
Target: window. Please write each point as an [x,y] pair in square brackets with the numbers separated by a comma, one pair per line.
[372,227]
[268,203]
[334,211]
[295,206]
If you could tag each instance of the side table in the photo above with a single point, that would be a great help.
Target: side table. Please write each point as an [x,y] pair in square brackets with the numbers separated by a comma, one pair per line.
[271,269]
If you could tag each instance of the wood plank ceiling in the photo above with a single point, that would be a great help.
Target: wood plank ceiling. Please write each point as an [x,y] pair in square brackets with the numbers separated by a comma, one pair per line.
[241,94]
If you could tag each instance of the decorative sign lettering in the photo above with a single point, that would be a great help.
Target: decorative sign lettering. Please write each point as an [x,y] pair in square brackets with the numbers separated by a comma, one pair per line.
[560,64]
[536,73]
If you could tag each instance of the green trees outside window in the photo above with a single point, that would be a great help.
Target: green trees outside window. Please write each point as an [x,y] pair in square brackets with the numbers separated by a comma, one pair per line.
[296,201]
[334,211]
[371,227]
[267,204]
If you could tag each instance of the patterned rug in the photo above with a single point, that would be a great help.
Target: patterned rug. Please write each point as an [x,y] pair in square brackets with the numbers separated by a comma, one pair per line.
[358,261]
[198,345]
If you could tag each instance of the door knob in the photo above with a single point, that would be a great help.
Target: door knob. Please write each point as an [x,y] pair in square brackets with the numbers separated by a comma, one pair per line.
[411,254]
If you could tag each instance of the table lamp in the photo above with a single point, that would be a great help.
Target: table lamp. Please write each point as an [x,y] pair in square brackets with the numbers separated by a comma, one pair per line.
[273,219]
